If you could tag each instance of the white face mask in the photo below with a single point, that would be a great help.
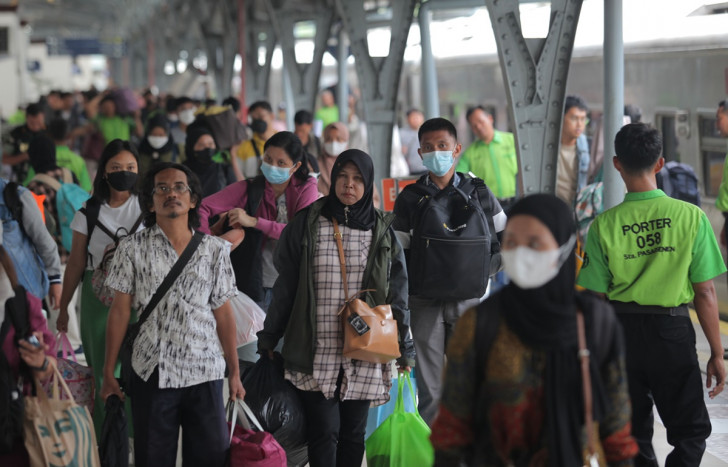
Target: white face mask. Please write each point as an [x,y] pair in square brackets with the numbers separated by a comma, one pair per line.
[187,116]
[157,142]
[334,148]
[530,269]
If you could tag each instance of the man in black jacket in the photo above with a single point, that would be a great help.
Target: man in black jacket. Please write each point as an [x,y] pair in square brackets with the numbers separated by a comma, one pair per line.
[449,225]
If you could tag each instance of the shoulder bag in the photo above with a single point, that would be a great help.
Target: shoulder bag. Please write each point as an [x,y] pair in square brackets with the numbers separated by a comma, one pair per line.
[127,345]
[370,334]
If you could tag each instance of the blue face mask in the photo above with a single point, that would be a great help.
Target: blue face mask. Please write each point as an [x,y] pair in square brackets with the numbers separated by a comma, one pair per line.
[275,175]
[438,162]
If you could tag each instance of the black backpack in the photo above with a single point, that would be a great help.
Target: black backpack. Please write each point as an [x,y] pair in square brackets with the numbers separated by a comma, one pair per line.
[451,243]
[678,180]
[247,259]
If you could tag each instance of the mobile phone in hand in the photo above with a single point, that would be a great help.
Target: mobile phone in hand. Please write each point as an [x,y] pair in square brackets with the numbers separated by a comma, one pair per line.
[32,340]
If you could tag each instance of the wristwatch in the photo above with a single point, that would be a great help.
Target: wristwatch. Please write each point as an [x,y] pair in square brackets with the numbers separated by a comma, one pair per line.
[43,367]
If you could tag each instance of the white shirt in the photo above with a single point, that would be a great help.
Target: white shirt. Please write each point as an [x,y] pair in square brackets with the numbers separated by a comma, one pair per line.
[123,217]
[180,335]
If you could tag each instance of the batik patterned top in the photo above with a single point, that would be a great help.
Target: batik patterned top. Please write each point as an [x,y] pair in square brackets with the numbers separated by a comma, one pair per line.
[361,380]
[180,335]
[514,403]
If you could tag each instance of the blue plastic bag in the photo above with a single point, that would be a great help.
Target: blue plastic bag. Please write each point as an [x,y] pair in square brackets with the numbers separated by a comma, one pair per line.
[378,414]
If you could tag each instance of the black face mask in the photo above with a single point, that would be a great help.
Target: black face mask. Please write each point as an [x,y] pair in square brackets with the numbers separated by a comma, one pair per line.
[258,126]
[204,156]
[123,180]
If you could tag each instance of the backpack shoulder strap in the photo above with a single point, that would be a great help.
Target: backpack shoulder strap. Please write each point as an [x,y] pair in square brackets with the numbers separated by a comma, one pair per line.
[91,211]
[255,147]
[256,187]
[421,188]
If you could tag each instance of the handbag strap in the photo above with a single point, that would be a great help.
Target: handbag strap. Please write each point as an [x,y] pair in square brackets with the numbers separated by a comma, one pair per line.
[172,275]
[586,383]
[342,259]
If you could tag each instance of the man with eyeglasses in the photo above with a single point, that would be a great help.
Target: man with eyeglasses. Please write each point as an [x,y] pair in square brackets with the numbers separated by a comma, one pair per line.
[572,168]
[182,348]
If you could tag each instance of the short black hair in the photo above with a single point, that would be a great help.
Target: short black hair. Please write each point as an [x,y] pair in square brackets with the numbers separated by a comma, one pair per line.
[437,124]
[472,110]
[146,197]
[633,112]
[58,129]
[180,101]
[101,187]
[292,145]
[33,110]
[265,105]
[108,98]
[411,111]
[638,147]
[575,101]
[303,117]
[233,103]
[723,105]
[66,94]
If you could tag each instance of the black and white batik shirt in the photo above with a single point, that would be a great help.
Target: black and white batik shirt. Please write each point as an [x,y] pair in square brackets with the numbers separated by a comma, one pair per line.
[180,335]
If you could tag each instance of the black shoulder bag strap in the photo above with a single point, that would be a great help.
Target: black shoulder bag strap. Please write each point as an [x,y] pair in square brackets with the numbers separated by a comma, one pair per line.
[172,275]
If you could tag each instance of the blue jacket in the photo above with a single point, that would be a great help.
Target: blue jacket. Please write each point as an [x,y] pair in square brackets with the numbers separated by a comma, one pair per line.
[583,156]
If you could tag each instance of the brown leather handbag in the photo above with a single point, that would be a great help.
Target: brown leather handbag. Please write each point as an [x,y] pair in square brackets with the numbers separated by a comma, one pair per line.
[370,334]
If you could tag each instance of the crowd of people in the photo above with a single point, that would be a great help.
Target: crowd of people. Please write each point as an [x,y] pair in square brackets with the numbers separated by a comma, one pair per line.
[189,207]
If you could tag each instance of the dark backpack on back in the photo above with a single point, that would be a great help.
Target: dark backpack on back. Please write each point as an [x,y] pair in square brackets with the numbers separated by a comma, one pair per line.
[247,257]
[451,243]
[678,180]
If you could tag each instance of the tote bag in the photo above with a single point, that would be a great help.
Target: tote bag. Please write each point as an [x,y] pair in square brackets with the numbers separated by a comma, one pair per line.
[78,378]
[249,448]
[403,440]
[58,432]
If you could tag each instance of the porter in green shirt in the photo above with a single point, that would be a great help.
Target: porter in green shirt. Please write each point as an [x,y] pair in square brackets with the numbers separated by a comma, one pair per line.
[650,250]
[495,162]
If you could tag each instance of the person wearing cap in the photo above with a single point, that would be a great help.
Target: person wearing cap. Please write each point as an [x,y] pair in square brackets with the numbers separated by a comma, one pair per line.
[200,148]
[650,256]
[157,145]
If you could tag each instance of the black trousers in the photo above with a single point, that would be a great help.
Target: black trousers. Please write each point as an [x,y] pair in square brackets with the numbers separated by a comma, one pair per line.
[335,429]
[159,414]
[662,369]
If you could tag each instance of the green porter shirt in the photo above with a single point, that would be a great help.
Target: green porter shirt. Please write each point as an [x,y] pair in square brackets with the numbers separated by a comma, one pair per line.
[722,201]
[495,163]
[115,128]
[650,250]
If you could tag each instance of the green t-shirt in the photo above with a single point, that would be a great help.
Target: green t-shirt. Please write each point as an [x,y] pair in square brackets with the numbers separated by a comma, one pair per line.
[722,201]
[73,162]
[650,250]
[327,115]
[115,128]
[495,162]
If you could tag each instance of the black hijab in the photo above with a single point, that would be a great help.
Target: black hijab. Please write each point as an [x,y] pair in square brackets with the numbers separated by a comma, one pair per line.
[360,215]
[545,318]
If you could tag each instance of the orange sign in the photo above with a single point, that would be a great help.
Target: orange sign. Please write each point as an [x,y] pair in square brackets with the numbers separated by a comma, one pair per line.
[391,187]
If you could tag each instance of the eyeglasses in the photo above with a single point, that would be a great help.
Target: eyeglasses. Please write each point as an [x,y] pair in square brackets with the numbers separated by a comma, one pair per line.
[583,120]
[179,188]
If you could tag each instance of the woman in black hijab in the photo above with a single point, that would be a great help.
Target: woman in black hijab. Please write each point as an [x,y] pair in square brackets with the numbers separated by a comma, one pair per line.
[513,385]
[336,391]
[200,149]
[157,145]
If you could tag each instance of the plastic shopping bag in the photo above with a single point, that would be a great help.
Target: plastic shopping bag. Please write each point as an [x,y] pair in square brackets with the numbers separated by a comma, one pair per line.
[249,448]
[275,402]
[249,318]
[79,378]
[403,440]
[114,442]
[377,415]
[59,432]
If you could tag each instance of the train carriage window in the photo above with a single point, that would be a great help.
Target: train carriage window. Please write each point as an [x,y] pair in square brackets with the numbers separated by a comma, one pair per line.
[712,151]
[674,125]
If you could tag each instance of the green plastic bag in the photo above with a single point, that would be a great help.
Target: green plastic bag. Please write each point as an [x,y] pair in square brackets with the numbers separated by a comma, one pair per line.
[403,439]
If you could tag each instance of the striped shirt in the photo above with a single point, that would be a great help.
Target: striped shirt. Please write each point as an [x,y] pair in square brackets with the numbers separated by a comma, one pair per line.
[180,335]
[361,380]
